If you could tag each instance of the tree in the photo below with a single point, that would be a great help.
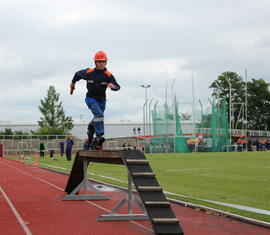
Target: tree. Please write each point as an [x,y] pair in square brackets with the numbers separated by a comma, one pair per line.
[222,91]
[53,120]
[258,99]
[258,105]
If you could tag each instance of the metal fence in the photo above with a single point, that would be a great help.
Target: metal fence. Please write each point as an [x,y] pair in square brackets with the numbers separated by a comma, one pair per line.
[28,144]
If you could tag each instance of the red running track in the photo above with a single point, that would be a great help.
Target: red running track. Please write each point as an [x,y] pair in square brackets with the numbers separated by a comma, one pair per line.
[30,203]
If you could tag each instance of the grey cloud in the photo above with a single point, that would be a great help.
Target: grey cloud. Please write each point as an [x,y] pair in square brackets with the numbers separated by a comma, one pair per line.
[44,44]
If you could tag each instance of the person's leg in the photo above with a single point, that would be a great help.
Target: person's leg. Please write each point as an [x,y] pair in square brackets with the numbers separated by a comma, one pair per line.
[90,131]
[97,110]
[68,152]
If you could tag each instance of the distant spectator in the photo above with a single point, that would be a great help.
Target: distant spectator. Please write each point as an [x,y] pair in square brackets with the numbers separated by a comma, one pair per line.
[124,146]
[134,131]
[69,142]
[41,149]
[249,146]
[267,145]
[62,147]
[257,143]
[139,131]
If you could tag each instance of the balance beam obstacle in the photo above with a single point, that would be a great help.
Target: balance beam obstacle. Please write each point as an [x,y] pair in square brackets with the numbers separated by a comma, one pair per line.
[154,201]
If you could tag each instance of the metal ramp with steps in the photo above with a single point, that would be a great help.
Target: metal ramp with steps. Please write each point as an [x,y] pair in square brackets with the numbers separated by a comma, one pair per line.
[156,204]
[153,199]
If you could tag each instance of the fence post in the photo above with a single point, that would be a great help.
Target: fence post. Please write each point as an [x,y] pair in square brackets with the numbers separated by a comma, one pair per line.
[1,150]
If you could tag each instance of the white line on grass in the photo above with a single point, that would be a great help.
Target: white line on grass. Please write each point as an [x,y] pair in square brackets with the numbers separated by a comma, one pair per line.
[190,169]
[240,207]
[15,212]
[92,203]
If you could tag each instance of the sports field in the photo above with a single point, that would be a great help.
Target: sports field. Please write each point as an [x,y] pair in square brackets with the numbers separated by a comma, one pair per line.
[237,178]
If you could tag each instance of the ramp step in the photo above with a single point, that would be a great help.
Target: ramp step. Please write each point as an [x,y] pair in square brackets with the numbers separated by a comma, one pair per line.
[142,174]
[136,161]
[149,188]
[157,203]
[165,220]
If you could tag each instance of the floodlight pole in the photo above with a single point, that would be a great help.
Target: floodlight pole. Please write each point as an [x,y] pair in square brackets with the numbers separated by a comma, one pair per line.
[146,116]
[150,116]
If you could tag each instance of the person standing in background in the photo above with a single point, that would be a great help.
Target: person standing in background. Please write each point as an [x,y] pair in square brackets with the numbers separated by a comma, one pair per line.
[69,144]
[62,147]
[41,149]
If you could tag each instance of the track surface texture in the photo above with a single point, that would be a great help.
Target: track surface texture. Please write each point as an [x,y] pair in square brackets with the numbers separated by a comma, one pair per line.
[30,203]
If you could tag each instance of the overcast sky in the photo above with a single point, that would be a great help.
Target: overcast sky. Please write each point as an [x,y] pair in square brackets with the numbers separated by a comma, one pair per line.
[44,43]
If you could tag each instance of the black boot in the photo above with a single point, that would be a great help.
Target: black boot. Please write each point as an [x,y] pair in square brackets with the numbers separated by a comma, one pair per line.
[93,144]
[100,141]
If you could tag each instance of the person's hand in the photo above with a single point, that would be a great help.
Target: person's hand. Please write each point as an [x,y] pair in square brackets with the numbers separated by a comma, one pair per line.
[72,88]
[111,86]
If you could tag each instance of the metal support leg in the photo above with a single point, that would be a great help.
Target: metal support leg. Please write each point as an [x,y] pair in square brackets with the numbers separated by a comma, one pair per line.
[113,216]
[86,185]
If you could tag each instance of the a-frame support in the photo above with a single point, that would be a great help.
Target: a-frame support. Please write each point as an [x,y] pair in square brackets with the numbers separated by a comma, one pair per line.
[139,171]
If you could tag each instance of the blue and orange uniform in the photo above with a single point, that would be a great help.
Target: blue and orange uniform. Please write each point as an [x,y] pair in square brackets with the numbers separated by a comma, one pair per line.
[97,81]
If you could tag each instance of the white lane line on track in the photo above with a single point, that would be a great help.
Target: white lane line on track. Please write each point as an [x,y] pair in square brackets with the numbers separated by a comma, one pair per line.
[15,212]
[92,203]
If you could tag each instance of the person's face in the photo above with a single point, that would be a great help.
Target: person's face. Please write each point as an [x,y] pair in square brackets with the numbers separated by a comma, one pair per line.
[101,64]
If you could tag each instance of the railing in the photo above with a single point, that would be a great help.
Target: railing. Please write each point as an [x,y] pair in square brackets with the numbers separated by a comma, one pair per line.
[28,144]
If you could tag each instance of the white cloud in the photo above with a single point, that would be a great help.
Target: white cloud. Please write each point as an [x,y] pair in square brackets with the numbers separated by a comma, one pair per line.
[148,42]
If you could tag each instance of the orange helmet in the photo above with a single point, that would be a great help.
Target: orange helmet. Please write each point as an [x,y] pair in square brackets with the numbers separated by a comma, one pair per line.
[100,55]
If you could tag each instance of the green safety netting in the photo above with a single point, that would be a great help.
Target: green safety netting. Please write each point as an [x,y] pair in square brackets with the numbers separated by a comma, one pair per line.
[168,136]
[167,132]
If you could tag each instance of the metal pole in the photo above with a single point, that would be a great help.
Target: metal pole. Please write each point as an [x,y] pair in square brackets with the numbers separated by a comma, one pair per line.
[230,107]
[173,93]
[144,118]
[130,199]
[246,116]
[218,88]
[193,107]
[201,113]
[155,112]
[166,86]
[145,107]
[150,116]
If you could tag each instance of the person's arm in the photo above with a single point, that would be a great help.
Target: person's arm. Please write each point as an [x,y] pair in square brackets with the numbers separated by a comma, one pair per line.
[77,77]
[113,85]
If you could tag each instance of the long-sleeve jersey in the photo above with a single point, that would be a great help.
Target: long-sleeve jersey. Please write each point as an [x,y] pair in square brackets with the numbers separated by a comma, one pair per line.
[96,82]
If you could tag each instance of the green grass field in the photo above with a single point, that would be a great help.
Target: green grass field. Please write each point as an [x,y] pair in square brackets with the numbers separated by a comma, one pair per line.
[236,178]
